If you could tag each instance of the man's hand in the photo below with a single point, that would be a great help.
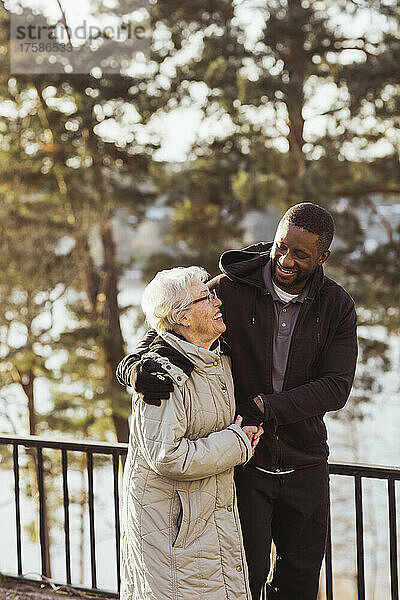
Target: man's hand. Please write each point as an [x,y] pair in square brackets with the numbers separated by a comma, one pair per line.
[149,380]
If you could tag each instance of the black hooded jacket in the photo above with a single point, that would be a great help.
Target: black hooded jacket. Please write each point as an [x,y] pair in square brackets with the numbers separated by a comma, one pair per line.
[321,361]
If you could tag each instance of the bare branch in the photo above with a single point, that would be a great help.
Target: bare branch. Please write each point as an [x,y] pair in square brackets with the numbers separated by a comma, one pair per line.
[384,222]
[64,20]
[332,111]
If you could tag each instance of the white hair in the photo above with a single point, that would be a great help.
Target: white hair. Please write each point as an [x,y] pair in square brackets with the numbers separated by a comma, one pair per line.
[168,294]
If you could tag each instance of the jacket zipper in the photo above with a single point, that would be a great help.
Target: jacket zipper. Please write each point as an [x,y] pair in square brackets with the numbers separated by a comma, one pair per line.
[269,370]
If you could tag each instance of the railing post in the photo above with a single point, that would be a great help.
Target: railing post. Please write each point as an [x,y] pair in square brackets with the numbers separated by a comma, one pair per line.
[64,463]
[394,578]
[359,538]
[328,560]
[17,507]
[89,456]
[116,517]
[42,516]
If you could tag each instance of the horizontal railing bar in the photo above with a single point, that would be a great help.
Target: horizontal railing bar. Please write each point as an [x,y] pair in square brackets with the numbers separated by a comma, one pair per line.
[32,441]
[371,471]
[335,468]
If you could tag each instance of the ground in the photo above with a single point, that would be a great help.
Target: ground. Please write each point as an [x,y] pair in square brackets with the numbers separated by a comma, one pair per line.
[13,589]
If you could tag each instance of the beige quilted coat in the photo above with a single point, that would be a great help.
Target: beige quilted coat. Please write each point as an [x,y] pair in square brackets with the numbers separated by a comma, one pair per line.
[181,537]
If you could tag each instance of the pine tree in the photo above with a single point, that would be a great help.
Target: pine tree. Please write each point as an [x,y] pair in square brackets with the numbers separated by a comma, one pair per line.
[88,180]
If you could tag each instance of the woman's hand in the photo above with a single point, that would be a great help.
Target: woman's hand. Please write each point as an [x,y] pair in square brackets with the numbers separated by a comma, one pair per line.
[253,433]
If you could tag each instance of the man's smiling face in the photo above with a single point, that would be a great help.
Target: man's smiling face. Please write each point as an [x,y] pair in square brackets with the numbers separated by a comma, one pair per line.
[295,255]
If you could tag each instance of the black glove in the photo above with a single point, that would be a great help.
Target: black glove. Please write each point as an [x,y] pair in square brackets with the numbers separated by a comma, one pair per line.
[148,379]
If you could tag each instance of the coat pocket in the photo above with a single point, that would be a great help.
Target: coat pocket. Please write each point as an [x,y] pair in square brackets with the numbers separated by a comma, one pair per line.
[182,521]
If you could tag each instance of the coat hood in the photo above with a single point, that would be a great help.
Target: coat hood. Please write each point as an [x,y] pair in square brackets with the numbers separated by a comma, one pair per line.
[246,267]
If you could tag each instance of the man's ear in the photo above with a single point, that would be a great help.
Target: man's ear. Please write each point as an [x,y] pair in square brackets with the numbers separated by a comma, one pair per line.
[324,257]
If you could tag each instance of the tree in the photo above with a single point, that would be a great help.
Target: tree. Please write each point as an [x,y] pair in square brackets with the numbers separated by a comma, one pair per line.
[89,180]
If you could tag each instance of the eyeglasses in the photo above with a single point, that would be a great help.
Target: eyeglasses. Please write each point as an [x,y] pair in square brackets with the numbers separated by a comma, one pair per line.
[211,296]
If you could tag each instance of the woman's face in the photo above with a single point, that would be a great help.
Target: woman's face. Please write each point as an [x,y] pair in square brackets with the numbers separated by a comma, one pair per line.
[205,318]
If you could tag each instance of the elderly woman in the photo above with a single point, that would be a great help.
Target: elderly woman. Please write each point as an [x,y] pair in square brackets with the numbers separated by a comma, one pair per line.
[181,537]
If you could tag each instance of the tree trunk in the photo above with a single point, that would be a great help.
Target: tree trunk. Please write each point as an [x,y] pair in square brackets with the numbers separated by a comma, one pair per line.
[115,342]
[82,506]
[297,68]
[92,281]
[102,294]
[27,382]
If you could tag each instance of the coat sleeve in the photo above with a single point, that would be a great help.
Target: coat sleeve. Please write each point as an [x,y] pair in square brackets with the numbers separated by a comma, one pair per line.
[160,435]
[129,363]
[330,390]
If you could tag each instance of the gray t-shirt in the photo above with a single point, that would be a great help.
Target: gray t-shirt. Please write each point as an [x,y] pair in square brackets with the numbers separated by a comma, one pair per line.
[285,319]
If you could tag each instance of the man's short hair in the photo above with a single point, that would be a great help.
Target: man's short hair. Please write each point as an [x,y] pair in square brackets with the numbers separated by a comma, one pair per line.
[312,218]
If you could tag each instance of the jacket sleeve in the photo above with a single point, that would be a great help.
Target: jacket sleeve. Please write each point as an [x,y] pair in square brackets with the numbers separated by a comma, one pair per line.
[160,435]
[128,363]
[332,387]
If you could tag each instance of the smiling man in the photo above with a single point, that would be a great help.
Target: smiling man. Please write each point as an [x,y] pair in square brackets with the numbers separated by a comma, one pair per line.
[292,334]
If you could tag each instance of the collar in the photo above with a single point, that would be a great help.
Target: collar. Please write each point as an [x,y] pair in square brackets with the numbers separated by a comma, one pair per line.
[220,344]
[198,356]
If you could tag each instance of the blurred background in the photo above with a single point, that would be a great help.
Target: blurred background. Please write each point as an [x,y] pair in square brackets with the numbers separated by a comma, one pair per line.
[238,110]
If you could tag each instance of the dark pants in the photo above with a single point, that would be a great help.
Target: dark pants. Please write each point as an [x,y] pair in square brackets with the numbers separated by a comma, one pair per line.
[292,510]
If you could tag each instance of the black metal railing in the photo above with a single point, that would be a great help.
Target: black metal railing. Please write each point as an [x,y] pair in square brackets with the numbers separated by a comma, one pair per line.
[90,449]
[357,472]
